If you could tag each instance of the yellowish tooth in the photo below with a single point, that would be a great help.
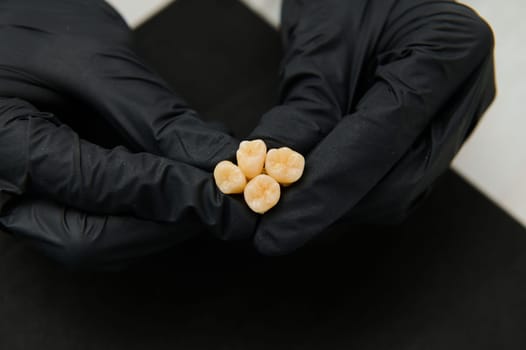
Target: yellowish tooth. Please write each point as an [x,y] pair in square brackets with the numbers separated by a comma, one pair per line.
[251,157]
[229,178]
[262,193]
[284,165]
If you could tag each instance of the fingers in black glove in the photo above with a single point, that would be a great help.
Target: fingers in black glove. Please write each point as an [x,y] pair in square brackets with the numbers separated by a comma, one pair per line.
[328,46]
[82,52]
[436,65]
[82,240]
[45,157]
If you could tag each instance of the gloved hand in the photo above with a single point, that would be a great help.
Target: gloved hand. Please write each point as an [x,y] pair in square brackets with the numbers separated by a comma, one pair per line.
[88,241]
[381,94]
[80,54]
[67,56]
[44,158]
[314,75]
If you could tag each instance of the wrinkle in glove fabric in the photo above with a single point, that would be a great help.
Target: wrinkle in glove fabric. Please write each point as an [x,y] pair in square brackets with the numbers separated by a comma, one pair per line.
[380,95]
[69,63]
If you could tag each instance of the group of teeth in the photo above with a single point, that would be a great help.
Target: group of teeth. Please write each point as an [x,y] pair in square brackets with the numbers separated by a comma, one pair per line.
[258,173]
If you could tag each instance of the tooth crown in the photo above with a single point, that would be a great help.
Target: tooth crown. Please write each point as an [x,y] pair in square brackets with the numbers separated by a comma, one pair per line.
[262,193]
[229,178]
[266,171]
[284,165]
[251,157]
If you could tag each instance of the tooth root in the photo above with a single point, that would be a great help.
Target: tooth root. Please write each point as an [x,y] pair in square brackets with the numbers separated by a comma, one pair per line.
[229,178]
[284,165]
[251,157]
[262,193]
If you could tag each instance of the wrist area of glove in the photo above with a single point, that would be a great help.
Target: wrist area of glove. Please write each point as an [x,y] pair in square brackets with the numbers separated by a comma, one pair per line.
[286,126]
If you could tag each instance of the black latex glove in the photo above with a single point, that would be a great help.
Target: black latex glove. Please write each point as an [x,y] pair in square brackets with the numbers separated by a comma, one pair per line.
[75,58]
[43,157]
[80,54]
[416,76]
[314,75]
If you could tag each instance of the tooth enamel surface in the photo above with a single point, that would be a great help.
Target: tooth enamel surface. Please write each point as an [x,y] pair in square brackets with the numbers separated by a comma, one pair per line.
[284,165]
[229,178]
[251,157]
[262,193]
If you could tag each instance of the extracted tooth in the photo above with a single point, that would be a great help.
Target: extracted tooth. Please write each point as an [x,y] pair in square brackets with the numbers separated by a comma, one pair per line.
[229,178]
[284,165]
[262,193]
[251,157]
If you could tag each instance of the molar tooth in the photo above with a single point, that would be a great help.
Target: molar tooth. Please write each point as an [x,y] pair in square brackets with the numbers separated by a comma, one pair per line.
[229,178]
[262,193]
[251,157]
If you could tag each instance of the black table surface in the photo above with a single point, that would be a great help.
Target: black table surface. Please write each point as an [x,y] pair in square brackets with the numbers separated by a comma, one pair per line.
[453,276]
